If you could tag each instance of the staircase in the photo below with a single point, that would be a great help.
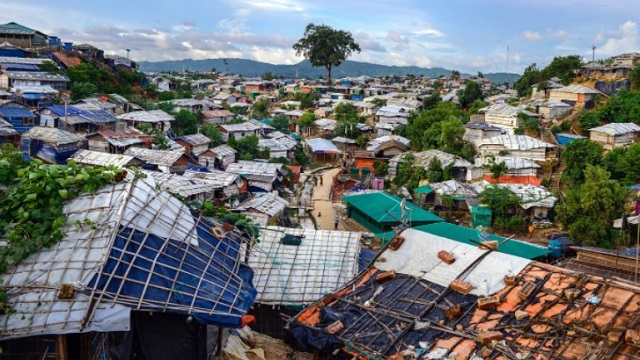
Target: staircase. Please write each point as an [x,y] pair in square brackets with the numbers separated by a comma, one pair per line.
[547,136]
[556,175]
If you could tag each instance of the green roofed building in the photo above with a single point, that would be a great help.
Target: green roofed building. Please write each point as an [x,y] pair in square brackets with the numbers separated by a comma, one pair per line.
[379,212]
[464,235]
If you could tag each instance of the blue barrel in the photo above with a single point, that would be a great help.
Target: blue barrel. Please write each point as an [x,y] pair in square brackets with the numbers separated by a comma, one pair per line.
[555,247]
[68,46]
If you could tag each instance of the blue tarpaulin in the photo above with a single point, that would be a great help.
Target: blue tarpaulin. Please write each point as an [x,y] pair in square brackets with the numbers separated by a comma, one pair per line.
[166,276]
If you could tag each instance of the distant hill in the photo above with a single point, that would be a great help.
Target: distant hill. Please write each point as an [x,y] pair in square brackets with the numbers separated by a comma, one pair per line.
[303,69]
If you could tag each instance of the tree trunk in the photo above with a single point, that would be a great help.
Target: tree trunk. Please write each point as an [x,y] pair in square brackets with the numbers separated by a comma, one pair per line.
[329,75]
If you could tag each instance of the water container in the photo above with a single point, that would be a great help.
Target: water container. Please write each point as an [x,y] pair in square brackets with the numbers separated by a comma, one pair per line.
[68,46]
[555,247]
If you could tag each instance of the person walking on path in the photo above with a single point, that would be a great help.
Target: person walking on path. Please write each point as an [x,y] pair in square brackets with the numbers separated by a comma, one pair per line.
[320,180]
[336,221]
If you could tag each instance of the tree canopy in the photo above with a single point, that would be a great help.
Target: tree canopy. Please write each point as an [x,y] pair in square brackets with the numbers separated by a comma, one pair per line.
[577,155]
[562,67]
[325,46]
[589,209]
[471,93]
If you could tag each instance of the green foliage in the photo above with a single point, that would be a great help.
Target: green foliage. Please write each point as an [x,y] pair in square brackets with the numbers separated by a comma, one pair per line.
[80,90]
[281,123]
[306,121]
[325,46]
[532,125]
[555,129]
[261,108]
[247,148]
[623,106]
[471,93]
[634,78]
[624,164]
[381,167]
[409,175]
[267,76]
[167,95]
[222,213]
[306,100]
[590,209]
[431,101]
[476,106]
[434,171]
[31,214]
[563,67]
[362,141]
[577,155]
[160,140]
[186,123]
[49,67]
[500,200]
[425,129]
[589,119]
[497,168]
[346,112]
[212,132]
[300,157]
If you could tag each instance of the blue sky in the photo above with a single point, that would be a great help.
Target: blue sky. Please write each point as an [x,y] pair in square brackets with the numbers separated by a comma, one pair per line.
[466,35]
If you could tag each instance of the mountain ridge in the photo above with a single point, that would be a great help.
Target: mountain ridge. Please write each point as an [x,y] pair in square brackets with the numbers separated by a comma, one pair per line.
[349,68]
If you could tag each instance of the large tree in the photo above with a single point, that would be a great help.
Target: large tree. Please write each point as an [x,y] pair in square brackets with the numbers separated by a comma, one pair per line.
[577,155]
[590,209]
[325,46]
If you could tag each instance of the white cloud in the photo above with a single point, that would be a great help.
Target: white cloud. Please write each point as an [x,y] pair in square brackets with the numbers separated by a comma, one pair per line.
[397,38]
[532,36]
[559,34]
[367,43]
[184,26]
[269,5]
[516,58]
[429,32]
[626,39]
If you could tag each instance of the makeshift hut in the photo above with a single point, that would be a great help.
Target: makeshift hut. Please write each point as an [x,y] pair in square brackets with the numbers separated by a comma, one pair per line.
[150,272]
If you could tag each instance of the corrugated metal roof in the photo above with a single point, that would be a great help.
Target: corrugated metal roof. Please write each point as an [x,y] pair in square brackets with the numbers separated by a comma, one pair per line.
[194,139]
[453,188]
[424,158]
[218,179]
[617,128]
[322,146]
[379,141]
[97,116]
[244,167]
[268,203]
[35,75]
[506,109]
[271,144]
[52,135]
[516,142]
[17,60]
[155,157]
[392,111]
[324,261]
[97,158]
[512,163]
[224,150]
[151,116]
[577,89]
[19,67]
[34,89]
[122,138]
[242,127]
[16,112]
[178,184]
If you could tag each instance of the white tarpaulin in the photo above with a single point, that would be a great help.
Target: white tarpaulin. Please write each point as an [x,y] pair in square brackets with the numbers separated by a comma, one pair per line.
[418,256]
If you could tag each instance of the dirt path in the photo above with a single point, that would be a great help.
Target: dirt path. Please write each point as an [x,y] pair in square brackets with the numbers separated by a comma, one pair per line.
[323,210]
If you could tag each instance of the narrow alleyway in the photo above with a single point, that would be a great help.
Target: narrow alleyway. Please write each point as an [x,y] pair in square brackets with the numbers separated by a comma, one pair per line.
[324,212]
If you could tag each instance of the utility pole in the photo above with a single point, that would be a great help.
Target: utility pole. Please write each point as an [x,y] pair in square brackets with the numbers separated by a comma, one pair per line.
[128,50]
[507,59]
[593,54]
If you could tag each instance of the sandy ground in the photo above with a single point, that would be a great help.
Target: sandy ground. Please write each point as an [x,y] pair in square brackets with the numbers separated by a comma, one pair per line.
[324,210]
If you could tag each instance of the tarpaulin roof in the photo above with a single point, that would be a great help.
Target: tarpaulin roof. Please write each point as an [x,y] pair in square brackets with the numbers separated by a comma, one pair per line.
[16,112]
[465,235]
[322,146]
[289,274]
[387,209]
[147,251]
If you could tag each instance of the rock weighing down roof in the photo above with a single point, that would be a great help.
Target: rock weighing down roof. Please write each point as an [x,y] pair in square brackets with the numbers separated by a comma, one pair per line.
[298,266]
[146,251]
[479,303]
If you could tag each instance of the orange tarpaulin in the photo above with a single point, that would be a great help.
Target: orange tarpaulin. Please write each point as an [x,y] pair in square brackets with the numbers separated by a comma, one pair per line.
[508,179]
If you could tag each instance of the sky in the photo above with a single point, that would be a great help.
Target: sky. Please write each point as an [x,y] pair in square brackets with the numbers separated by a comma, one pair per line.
[465,35]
